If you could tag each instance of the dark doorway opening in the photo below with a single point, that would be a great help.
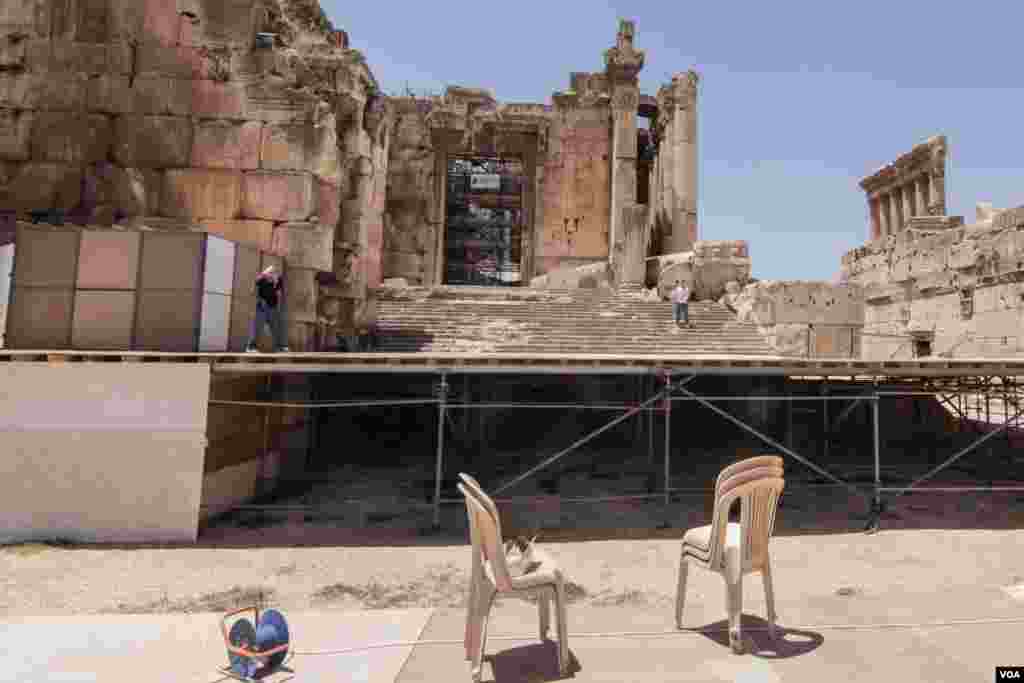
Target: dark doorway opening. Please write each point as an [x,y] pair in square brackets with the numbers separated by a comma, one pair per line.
[484,221]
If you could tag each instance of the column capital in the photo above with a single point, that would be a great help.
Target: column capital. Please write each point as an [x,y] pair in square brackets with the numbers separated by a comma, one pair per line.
[624,62]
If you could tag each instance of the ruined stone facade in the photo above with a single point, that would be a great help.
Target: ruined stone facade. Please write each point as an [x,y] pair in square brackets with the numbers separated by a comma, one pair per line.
[948,293]
[909,192]
[250,119]
[932,285]
[805,319]
[253,120]
[594,188]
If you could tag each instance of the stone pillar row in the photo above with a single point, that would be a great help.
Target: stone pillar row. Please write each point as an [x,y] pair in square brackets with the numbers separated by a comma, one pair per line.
[892,209]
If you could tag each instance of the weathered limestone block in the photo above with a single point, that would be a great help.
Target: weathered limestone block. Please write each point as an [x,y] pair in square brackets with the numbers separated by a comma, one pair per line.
[630,264]
[12,54]
[31,17]
[217,100]
[789,340]
[231,22]
[111,193]
[284,147]
[159,96]
[328,202]
[196,194]
[257,233]
[224,144]
[278,196]
[304,245]
[15,131]
[708,268]
[301,294]
[780,303]
[35,186]
[70,138]
[592,276]
[404,264]
[56,93]
[160,21]
[16,90]
[153,141]
[82,58]
[154,60]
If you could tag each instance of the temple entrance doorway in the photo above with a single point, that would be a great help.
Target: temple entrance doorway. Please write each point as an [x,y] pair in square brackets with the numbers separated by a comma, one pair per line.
[484,221]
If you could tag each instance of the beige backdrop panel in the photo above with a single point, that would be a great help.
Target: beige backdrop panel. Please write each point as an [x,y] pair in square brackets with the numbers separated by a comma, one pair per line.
[102,453]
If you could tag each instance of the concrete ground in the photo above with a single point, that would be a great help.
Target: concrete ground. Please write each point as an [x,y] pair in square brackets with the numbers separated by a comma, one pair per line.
[935,606]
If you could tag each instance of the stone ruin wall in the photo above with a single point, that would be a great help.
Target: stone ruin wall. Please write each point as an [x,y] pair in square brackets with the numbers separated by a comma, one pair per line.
[932,285]
[708,267]
[804,319]
[173,115]
[960,288]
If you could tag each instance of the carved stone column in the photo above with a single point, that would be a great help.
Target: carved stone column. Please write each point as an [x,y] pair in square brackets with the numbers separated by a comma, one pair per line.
[937,175]
[907,194]
[924,194]
[630,266]
[677,155]
[874,215]
[884,215]
[622,65]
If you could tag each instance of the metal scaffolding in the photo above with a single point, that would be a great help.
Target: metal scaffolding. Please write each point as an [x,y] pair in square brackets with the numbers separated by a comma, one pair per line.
[667,386]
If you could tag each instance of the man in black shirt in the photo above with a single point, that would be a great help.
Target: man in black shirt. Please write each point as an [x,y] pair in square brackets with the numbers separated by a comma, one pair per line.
[269,300]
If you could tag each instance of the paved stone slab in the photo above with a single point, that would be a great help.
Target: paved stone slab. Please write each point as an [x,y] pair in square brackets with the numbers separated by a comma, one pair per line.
[189,648]
[654,652]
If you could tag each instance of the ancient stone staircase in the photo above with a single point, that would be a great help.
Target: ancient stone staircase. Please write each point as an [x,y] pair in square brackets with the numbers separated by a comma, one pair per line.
[512,320]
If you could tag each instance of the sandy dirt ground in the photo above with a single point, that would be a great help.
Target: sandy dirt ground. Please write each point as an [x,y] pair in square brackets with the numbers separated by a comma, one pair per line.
[41,579]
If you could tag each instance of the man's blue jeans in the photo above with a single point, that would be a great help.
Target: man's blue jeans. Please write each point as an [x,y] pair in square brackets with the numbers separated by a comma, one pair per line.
[265,315]
[681,311]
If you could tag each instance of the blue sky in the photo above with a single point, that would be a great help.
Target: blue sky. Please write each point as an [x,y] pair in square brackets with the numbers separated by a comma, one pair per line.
[799,100]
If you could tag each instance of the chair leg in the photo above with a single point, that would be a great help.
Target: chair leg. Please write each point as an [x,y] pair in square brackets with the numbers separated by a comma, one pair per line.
[684,569]
[479,642]
[470,615]
[734,593]
[544,606]
[769,596]
[563,629]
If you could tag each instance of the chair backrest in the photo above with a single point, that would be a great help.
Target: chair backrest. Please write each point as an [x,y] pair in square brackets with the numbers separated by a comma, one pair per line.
[756,483]
[476,488]
[485,531]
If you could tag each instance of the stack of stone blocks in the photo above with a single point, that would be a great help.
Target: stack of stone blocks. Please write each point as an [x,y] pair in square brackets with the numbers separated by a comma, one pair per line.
[173,116]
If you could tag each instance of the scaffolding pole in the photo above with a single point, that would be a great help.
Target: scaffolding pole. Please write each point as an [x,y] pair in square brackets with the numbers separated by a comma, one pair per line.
[875,519]
[442,395]
[668,433]
[625,416]
[962,452]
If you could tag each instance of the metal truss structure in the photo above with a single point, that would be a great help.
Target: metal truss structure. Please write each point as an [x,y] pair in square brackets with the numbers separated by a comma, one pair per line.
[985,395]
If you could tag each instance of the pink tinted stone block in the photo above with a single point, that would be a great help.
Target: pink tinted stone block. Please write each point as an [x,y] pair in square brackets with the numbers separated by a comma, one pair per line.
[216,100]
[189,31]
[194,193]
[220,144]
[277,196]
[328,203]
[160,21]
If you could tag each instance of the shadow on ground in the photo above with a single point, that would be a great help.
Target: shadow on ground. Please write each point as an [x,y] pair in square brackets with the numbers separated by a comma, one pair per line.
[530,664]
[757,640]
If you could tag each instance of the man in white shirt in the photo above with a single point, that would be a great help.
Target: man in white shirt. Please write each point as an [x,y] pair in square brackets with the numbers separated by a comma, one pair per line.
[681,304]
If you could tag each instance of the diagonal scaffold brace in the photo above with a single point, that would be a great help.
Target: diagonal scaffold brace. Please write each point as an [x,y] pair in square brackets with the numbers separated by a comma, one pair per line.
[660,395]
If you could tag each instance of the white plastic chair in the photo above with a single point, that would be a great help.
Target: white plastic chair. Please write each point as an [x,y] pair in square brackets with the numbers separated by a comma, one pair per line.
[534,574]
[732,549]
